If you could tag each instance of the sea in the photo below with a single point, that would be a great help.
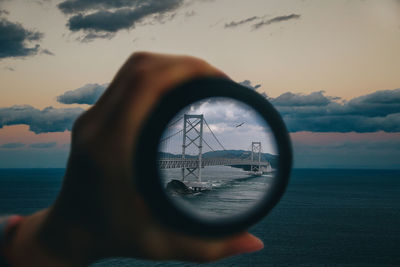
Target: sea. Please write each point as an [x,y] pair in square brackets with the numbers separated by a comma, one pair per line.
[225,192]
[327,217]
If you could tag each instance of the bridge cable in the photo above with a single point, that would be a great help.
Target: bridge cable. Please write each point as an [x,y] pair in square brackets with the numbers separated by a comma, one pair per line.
[218,140]
[174,122]
[172,135]
[214,135]
[208,145]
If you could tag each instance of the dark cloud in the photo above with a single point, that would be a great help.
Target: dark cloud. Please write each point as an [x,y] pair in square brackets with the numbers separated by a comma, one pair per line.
[91,36]
[77,6]
[379,111]
[42,2]
[380,103]
[102,19]
[291,99]
[276,20]
[47,52]
[248,84]
[314,112]
[15,40]
[12,145]
[233,24]
[87,94]
[43,145]
[40,121]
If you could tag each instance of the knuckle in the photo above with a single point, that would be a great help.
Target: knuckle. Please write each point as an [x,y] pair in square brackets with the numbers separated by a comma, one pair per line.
[195,63]
[139,57]
[199,66]
[139,64]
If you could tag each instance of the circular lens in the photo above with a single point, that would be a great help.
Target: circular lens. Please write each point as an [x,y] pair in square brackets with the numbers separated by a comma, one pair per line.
[213,158]
[217,159]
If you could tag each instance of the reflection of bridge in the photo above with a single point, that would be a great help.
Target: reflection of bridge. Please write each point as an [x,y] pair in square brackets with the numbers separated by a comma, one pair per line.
[193,137]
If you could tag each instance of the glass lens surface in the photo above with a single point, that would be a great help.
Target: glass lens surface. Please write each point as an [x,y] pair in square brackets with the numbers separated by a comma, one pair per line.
[217,159]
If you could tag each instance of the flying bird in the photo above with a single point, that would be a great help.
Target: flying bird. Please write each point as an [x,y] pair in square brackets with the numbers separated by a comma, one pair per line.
[240,124]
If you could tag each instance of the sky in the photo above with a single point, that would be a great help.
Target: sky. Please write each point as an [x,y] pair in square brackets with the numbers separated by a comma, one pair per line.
[331,68]
[227,125]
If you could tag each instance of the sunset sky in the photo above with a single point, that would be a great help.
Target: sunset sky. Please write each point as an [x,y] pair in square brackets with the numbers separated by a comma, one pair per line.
[332,68]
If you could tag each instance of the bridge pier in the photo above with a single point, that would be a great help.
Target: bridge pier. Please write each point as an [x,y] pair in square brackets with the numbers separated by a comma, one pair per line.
[256,153]
[192,131]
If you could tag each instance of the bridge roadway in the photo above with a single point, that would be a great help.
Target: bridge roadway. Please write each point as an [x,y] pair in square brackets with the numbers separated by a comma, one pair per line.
[169,163]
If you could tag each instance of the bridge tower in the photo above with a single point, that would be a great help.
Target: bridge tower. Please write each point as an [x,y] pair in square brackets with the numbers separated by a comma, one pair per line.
[192,136]
[255,156]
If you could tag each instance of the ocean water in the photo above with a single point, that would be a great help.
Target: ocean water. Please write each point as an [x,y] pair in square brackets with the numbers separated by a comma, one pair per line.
[326,218]
[231,191]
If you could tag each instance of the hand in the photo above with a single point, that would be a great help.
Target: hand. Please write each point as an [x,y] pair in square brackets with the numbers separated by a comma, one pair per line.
[99,212]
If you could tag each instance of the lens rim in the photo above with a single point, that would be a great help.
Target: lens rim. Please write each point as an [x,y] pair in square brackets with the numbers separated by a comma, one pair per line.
[147,176]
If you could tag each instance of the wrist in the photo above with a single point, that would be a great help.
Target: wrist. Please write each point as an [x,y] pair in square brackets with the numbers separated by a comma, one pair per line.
[22,247]
[28,245]
[8,227]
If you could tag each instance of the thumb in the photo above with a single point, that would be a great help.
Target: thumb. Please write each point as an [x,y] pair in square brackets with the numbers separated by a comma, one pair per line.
[244,243]
[207,250]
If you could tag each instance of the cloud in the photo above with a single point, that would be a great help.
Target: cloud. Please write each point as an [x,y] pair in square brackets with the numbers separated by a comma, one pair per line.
[9,68]
[248,84]
[233,24]
[189,14]
[15,40]
[222,116]
[43,145]
[290,99]
[4,12]
[47,52]
[88,94]
[314,112]
[42,2]
[102,19]
[380,103]
[91,36]
[77,6]
[276,20]
[378,111]
[12,145]
[40,121]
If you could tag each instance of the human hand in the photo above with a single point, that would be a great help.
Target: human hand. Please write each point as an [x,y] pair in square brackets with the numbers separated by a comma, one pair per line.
[99,212]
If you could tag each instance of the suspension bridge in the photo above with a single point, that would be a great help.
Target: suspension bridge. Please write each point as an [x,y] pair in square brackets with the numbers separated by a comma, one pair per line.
[191,136]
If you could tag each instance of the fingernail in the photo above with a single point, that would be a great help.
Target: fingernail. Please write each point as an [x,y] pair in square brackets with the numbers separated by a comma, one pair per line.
[246,243]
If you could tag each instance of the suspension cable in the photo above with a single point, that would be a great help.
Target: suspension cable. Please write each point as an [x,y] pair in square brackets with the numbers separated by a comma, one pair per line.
[214,135]
[175,122]
[208,145]
[172,135]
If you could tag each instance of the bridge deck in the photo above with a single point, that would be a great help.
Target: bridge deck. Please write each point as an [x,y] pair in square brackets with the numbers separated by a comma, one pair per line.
[169,163]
